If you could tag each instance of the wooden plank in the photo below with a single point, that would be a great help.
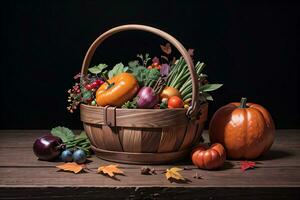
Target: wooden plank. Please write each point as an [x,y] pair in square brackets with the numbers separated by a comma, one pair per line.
[49,176]
[16,149]
[22,176]
[151,193]
[276,157]
[19,166]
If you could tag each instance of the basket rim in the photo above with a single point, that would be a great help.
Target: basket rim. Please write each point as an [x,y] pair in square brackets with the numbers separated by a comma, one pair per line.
[135,109]
[139,118]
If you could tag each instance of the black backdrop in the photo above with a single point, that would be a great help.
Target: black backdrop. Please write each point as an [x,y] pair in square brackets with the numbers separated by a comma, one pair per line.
[253,48]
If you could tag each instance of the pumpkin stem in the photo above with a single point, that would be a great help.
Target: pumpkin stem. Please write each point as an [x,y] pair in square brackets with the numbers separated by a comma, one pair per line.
[243,103]
[109,85]
[106,81]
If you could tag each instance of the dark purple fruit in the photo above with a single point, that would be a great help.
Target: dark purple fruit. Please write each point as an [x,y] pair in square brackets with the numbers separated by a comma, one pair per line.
[79,156]
[48,147]
[66,156]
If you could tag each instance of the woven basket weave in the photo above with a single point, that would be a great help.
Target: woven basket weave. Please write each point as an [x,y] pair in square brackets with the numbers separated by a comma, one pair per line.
[144,136]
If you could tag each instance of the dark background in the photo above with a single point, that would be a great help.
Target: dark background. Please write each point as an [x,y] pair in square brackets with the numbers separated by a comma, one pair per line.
[253,48]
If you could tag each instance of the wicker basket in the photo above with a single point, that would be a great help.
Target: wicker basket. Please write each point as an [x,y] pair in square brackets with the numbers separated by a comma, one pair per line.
[144,136]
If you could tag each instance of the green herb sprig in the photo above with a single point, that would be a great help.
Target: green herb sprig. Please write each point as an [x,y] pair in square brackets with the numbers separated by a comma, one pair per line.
[71,140]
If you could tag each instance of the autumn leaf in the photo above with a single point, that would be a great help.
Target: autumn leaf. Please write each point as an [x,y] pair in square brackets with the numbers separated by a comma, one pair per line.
[166,49]
[72,166]
[247,165]
[191,52]
[110,170]
[173,173]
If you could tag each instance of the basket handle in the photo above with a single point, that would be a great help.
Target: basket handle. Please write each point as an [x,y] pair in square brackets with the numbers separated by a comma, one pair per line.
[194,109]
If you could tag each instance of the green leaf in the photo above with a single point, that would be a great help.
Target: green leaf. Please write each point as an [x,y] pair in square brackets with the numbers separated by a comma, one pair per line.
[130,104]
[207,96]
[210,87]
[97,68]
[117,69]
[105,74]
[139,73]
[110,74]
[133,63]
[86,94]
[163,105]
[82,135]
[63,133]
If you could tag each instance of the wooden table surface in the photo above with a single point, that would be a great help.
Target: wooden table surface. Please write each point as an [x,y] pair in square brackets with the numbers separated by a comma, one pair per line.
[22,176]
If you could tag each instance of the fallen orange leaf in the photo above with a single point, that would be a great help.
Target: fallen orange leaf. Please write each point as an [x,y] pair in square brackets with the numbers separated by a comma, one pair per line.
[173,173]
[72,166]
[110,170]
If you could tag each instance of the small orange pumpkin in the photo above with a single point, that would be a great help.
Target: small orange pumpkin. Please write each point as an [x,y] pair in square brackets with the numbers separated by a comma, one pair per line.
[209,157]
[245,129]
[121,88]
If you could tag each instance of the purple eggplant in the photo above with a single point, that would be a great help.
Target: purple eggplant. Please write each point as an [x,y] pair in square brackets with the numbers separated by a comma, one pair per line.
[48,147]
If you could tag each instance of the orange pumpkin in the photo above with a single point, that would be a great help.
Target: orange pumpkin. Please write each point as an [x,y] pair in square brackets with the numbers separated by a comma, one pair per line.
[121,88]
[245,129]
[209,157]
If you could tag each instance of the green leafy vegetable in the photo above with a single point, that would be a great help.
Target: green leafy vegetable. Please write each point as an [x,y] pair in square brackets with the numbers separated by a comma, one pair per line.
[133,63]
[97,69]
[152,76]
[118,68]
[130,104]
[179,78]
[144,59]
[144,76]
[63,133]
[139,73]
[71,140]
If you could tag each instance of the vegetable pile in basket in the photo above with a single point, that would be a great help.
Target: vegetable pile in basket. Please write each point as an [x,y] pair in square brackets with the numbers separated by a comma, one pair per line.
[146,83]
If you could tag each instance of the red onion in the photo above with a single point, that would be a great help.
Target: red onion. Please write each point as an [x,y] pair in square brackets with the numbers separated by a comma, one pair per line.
[48,147]
[147,98]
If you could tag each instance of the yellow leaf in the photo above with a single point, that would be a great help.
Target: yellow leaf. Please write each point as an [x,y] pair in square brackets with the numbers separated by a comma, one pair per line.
[173,173]
[71,166]
[110,170]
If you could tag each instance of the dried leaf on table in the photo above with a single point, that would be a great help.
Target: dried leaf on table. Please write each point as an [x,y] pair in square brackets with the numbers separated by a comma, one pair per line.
[110,170]
[173,173]
[72,166]
[145,170]
[245,165]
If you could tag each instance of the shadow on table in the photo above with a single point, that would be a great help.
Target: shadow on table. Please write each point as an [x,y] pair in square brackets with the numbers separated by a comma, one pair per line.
[275,154]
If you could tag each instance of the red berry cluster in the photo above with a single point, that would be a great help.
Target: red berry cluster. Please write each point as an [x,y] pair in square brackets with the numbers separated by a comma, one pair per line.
[83,92]
[94,85]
